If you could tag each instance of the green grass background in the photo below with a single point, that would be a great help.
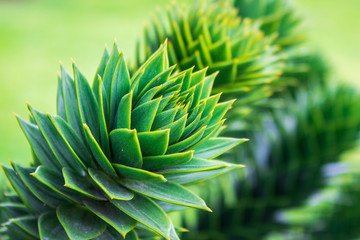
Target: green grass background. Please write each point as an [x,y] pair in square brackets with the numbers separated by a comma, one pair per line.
[36,34]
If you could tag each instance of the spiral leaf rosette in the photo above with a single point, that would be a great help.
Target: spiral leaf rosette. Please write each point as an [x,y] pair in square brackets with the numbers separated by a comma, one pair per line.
[274,16]
[285,167]
[212,35]
[116,152]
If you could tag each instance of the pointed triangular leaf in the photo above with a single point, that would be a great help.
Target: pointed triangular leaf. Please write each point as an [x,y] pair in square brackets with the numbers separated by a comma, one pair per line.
[142,117]
[70,101]
[28,224]
[100,157]
[73,139]
[50,227]
[60,147]
[28,198]
[187,143]
[154,143]
[120,85]
[55,181]
[88,106]
[101,68]
[110,69]
[60,105]
[123,115]
[39,144]
[41,191]
[125,147]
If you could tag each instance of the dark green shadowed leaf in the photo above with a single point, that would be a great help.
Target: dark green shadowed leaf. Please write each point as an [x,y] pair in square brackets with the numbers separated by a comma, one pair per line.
[137,174]
[29,199]
[111,234]
[123,115]
[79,223]
[50,227]
[112,215]
[28,224]
[41,191]
[168,192]
[55,181]
[100,157]
[132,236]
[13,209]
[214,147]
[57,142]
[164,161]
[142,117]
[194,177]
[147,212]
[119,87]
[16,232]
[38,144]
[70,101]
[125,147]
[88,106]
[148,231]
[84,185]
[111,188]
[154,143]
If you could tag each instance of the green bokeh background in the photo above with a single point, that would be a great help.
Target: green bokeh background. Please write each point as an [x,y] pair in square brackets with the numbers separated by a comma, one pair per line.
[36,34]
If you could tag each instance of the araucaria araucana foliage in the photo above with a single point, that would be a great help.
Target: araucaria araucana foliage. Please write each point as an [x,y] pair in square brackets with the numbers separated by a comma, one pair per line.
[116,152]
[285,163]
[211,35]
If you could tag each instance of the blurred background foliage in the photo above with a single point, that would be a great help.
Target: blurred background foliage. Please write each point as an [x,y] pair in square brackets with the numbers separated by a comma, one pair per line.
[36,34]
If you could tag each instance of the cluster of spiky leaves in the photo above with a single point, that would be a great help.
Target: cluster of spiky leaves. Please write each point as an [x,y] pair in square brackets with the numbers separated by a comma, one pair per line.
[211,35]
[116,152]
[279,18]
[276,17]
[284,163]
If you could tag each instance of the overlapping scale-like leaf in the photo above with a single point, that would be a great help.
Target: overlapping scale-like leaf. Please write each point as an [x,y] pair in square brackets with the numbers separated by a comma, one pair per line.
[116,150]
